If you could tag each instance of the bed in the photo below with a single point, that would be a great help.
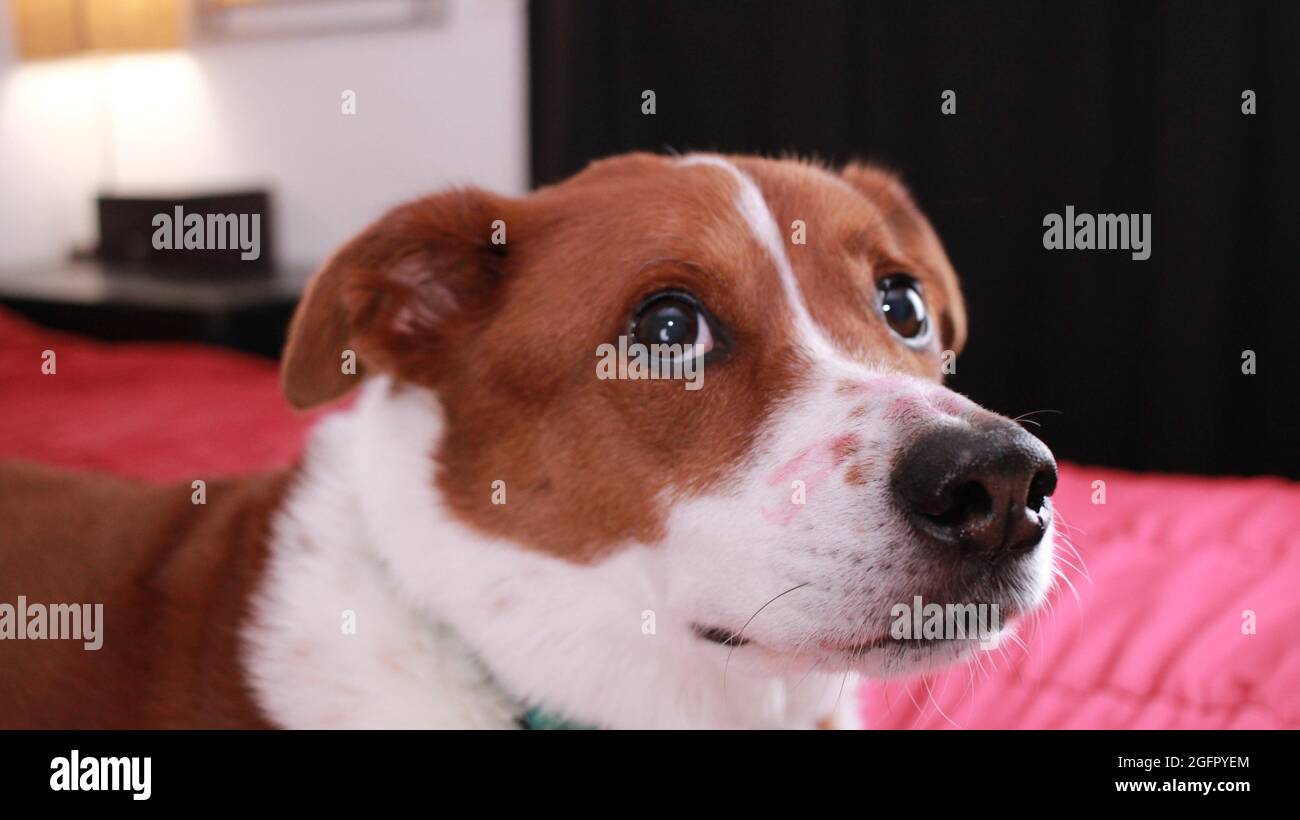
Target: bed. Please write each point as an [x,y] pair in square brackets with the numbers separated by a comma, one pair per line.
[1180,610]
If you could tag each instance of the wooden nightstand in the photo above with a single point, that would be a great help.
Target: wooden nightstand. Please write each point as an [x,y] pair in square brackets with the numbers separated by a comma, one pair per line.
[241,311]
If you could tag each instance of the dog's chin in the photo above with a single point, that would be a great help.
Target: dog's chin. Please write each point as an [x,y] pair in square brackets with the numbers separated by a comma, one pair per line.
[909,658]
[879,653]
[884,658]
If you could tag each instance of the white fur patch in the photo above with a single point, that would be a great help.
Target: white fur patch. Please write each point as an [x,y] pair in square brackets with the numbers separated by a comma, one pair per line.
[753,208]
[399,668]
[563,636]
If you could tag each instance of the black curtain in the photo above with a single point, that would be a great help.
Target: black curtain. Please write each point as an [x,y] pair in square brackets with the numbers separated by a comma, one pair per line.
[1112,107]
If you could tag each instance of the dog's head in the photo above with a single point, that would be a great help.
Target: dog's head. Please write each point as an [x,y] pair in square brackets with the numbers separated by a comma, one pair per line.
[803,455]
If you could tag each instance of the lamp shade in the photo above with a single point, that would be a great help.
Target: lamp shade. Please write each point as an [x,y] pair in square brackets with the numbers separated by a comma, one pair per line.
[56,28]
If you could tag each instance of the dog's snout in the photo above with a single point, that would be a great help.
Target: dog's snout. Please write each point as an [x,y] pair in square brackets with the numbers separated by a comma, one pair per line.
[982,491]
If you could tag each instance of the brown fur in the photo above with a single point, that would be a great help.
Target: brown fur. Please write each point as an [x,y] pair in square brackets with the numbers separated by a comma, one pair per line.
[174,579]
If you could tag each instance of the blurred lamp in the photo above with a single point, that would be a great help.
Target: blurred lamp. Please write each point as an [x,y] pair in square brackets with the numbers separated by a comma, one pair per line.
[58,28]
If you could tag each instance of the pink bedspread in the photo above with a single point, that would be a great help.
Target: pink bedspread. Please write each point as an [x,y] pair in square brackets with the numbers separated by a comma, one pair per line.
[1158,638]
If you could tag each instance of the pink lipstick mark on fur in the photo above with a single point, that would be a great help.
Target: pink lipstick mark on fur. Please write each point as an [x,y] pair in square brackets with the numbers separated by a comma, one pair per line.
[895,384]
[954,404]
[908,409]
[915,407]
[877,386]
[811,465]
[781,517]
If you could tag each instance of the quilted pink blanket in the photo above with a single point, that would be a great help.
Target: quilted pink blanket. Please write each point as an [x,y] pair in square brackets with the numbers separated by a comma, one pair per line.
[1187,618]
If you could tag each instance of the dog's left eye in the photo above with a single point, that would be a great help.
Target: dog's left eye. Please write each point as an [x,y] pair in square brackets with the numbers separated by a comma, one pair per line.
[904,309]
[672,318]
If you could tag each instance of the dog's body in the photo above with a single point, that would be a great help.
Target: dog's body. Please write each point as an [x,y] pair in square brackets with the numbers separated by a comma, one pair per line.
[491,528]
[174,580]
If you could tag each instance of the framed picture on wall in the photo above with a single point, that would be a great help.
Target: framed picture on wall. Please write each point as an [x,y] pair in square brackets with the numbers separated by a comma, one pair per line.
[252,19]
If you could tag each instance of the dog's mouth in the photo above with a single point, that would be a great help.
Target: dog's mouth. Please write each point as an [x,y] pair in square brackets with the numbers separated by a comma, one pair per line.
[718,635]
[732,639]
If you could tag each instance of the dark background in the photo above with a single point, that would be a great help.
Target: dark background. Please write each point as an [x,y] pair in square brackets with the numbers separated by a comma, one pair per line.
[1114,107]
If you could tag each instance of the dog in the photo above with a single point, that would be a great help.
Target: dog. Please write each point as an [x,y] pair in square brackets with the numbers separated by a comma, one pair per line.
[497,533]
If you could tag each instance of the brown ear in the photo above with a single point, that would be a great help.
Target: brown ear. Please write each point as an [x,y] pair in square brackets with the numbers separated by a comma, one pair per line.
[391,297]
[913,230]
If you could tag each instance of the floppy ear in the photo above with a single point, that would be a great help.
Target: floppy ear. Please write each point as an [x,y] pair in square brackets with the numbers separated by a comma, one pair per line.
[910,225]
[394,295]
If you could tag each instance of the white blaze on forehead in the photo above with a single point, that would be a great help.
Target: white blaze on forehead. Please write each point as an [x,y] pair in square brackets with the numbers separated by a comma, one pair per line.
[753,208]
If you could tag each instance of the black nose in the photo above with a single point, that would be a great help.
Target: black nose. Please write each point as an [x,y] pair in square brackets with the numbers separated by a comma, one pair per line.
[982,491]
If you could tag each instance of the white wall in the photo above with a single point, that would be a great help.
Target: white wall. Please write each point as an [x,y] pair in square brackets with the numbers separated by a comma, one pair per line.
[435,107]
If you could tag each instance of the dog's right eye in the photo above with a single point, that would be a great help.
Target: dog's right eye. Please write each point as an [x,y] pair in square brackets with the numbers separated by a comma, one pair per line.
[904,309]
[673,318]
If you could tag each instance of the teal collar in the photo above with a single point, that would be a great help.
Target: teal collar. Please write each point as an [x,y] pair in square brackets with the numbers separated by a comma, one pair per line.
[537,718]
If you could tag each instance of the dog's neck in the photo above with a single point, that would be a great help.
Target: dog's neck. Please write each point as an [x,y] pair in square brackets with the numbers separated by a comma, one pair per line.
[453,628]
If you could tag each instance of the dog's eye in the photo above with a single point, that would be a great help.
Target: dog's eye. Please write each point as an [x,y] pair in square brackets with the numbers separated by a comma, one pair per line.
[673,318]
[904,309]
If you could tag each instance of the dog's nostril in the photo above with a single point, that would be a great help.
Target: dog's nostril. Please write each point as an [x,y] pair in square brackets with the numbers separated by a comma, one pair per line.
[982,491]
[968,502]
[1042,486]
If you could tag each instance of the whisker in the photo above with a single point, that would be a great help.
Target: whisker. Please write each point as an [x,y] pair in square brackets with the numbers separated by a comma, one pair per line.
[840,694]
[1072,566]
[1060,520]
[741,634]
[799,647]
[930,693]
[1077,600]
[1018,641]
[1082,567]
[1024,416]
[992,662]
[972,670]
[815,664]
[920,713]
